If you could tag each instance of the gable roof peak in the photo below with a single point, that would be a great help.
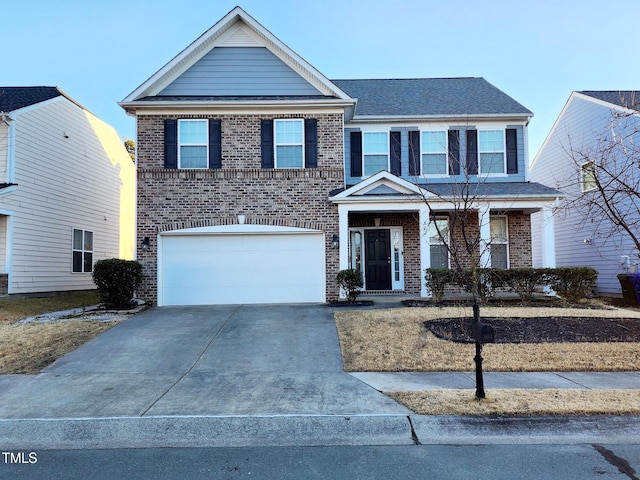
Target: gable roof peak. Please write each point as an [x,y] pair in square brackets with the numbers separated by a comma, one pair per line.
[216,36]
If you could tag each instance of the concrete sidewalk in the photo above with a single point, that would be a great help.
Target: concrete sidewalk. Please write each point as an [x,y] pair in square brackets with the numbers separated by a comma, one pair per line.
[256,375]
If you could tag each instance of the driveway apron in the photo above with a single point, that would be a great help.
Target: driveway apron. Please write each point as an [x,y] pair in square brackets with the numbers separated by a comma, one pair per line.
[201,360]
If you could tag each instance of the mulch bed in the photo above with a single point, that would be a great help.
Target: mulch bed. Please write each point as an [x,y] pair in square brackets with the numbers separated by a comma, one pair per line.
[541,329]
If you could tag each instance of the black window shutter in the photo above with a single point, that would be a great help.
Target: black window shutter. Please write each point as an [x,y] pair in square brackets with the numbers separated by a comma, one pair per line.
[215,143]
[356,154]
[266,143]
[414,153]
[454,152]
[396,152]
[170,143]
[512,150]
[472,152]
[310,143]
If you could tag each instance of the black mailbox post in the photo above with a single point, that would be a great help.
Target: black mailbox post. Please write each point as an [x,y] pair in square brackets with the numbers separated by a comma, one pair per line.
[482,333]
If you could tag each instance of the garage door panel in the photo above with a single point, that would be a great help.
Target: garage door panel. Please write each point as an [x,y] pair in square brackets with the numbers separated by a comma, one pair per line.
[219,269]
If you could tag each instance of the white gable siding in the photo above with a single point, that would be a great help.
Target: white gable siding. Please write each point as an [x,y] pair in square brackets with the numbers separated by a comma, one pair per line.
[3,244]
[581,123]
[4,149]
[84,181]
[230,71]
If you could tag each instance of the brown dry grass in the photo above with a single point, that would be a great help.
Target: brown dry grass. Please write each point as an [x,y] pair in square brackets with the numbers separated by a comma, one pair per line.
[396,340]
[522,402]
[29,348]
[14,309]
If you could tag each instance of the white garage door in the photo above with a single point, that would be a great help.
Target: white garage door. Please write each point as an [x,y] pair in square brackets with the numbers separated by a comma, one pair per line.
[241,264]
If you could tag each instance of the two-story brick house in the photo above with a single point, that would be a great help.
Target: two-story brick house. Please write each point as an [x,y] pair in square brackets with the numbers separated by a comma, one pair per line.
[259,178]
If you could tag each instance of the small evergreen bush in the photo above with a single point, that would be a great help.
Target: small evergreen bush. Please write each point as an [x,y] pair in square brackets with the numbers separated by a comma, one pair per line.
[524,281]
[437,279]
[116,281]
[572,283]
[350,280]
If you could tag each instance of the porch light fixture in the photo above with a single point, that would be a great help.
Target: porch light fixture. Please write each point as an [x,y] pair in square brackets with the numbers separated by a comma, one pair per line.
[145,244]
[376,221]
[335,241]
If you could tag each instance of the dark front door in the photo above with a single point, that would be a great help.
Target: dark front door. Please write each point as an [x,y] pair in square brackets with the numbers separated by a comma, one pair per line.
[378,259]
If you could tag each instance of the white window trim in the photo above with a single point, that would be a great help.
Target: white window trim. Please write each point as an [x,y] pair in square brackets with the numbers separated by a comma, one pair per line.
[582,182]
[506,225]
[503,151]
[276,144]
[82,250]
[446,155]
[205,144]
[388,153]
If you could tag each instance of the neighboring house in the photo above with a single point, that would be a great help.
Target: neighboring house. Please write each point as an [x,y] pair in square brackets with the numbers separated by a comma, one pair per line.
[67,192]
[259,178]
[585,126]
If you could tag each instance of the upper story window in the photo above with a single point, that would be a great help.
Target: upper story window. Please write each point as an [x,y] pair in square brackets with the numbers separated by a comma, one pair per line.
[289,143]
[499,242]
[434,153]
[193,144]
[588,176]
[82,251]
[491,149]
[375,152]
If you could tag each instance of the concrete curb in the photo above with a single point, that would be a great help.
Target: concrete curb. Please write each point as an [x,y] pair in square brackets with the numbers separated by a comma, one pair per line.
[465,430]
[312,430]
[232,431]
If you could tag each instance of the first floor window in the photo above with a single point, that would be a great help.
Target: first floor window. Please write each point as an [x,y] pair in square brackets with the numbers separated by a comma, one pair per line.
[375,152]
[438,240]
[434,153]
[491,150]
[499,242]
[193,144]
[588,176]
[289,143]
[82,251]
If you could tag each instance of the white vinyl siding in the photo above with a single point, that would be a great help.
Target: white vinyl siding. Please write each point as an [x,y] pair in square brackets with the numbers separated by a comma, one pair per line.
[554,167]
[85,180]
[3,243]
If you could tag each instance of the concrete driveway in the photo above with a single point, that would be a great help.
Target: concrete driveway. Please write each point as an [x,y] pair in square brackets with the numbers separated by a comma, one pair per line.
[203,360]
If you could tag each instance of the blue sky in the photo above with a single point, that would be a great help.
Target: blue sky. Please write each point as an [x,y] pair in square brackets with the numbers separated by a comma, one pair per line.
[537,52]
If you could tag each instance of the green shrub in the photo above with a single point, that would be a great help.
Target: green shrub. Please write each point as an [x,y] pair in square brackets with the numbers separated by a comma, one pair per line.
[437,279]
[350,280]
[572,283]
[116,281]
[524,281]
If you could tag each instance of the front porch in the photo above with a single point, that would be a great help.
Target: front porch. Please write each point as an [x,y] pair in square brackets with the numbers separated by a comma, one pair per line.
[388,232]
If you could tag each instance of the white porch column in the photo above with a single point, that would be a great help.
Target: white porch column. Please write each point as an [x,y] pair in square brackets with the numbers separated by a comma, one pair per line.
[425,253]
[485,236]
[343,233]
[548,241]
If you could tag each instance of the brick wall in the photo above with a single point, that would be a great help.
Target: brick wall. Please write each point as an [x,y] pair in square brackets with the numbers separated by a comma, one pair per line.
[175,199]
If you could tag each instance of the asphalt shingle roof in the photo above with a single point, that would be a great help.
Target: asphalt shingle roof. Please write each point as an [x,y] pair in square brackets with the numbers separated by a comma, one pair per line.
[429,96]
[624,98]
[13,98]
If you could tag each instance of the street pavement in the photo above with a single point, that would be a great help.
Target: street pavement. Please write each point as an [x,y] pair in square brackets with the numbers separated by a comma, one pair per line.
[233,376]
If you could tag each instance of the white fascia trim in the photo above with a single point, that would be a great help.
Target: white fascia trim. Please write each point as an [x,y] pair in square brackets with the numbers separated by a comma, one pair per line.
[459,119]
[153,108]
[9,246]
[7,190]
[379,177]
[241,229]
[207,40]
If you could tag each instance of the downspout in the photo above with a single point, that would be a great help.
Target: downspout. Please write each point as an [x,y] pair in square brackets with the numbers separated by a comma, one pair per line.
[11,141]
